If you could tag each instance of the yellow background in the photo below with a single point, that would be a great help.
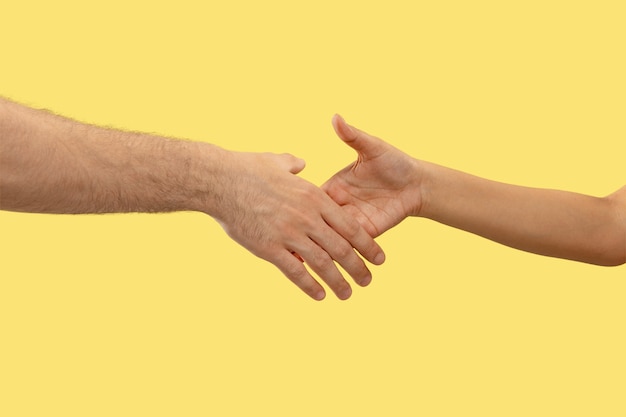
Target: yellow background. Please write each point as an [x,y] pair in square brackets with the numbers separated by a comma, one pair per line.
[127,315]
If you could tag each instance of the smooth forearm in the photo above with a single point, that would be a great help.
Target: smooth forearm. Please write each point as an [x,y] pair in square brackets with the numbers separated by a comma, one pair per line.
[548,222]
[385,185]
[50,164]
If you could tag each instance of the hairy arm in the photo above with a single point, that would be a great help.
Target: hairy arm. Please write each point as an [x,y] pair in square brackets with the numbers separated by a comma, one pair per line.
[384,186]
[50,164]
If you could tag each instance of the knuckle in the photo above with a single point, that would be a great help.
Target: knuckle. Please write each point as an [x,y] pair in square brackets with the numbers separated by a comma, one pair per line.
[352,228]
[343,250]
[308,222]
[321,259]
[370,248]
[310,192]
[309,287]
[295,271]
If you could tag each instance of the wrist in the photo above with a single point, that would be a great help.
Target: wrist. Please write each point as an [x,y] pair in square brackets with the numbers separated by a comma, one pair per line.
[207,179]
[443,188]
[424,184]
[414,191]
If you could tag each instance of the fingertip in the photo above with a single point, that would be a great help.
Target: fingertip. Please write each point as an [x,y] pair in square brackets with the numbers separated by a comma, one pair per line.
[319,296]
[365,281]
[336,120]
[296,164]
[345,293]
[343,130]
[380,258]
[300,164]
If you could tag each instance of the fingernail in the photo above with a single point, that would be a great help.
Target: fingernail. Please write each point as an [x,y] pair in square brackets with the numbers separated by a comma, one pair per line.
[343,125]
[379,259]
[366,281]
[345,294]
[320,295]
[349,129]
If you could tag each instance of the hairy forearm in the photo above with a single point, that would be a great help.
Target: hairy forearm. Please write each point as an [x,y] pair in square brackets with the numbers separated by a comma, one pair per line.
[50,164]
[548,222]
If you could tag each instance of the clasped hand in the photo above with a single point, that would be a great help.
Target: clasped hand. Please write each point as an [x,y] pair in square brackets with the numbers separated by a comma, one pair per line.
[288,221]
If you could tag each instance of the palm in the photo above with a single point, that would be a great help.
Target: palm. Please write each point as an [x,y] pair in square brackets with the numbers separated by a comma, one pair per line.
[379,188]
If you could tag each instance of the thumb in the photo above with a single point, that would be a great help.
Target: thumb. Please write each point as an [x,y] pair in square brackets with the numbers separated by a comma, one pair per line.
[291,163]
[366,145]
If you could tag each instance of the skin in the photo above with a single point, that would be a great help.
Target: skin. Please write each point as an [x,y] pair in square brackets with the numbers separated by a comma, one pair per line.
[385,185]
[50,164]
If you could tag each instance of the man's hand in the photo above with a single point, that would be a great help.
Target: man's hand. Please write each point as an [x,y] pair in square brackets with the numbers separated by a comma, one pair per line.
[279,216]
[50,164]
[381,188]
